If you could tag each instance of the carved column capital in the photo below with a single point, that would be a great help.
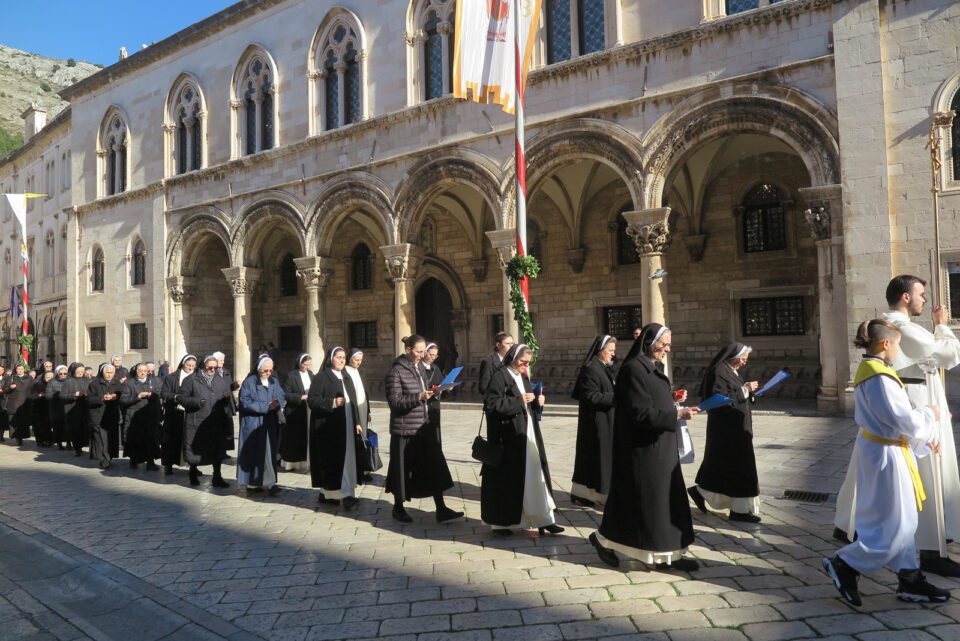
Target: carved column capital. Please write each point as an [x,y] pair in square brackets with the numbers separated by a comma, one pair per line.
[819,220]
[402,260]
[236,104]
[505,242]
[315,271]
[479,268]
[943,118]
[243,280]
[824,212]
[181,288]
[649,229]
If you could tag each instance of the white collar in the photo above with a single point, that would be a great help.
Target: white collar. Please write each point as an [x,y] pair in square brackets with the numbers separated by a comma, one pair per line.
[896,316]
[338,374]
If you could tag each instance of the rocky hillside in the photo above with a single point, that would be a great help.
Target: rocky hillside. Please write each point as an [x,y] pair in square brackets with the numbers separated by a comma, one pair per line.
[27,78]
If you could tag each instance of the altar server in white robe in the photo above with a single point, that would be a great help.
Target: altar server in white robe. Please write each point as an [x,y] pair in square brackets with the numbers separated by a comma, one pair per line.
[906,296]
[890,492]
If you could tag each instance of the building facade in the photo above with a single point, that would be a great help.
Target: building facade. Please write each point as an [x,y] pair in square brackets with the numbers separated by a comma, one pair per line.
[293,175]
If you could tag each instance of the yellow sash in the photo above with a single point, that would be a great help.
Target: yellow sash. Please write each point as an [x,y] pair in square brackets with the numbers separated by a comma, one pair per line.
[870,367]
[904,446]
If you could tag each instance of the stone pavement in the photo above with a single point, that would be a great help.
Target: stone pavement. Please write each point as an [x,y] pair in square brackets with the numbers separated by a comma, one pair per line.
[136,555]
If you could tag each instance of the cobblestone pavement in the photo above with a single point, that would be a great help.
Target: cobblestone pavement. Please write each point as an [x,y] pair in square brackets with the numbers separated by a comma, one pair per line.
[136,555]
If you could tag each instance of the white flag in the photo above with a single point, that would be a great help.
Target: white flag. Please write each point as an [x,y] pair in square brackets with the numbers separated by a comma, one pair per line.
[18,203]
[485,49]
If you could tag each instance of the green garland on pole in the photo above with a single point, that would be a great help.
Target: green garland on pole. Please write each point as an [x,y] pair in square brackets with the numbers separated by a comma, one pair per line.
[516,269]
[24,341]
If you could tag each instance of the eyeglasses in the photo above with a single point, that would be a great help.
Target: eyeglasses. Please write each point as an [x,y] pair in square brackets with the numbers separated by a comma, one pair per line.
[524,362]
[664,345]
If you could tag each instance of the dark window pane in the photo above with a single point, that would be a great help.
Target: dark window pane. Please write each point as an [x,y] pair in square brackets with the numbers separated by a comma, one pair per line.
[433,59]
[288,276]
[772,316]
[139,264]
[362,264]
[251,126]
[352,81]
[122,168]
[98,339]
[363,334]
[558,30]
[181,147]
[626,248]
[496,325]
[197,140]
[955,137]
[620,322]
[332,103]
[592,36]
[267,123]
[98,269]
[953,285]
[291,338]
[738,6]
[112,173]
[764,220]
[138,336]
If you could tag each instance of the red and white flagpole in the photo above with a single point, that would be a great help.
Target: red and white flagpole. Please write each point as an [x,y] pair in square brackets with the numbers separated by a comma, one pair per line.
[520,159]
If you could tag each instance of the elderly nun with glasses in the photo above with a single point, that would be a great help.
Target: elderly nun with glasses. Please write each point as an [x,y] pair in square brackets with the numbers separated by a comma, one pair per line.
[261,410]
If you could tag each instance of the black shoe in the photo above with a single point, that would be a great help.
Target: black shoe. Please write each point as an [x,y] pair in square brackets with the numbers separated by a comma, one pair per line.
[273,491]
[582,502]
[844,578]
[932,562]
[194,478]
[167,470]
[550,529]
[683,564]
[19,441]
[133,465]
[350,503]
[446,514]
[252,491]
[219,482]
[400,514]
[152,467]
[367,477]
[744,517]
[914,588]
[501,531]
[698,499]
[200,473]
[607,556]
[841,536]
[325,500]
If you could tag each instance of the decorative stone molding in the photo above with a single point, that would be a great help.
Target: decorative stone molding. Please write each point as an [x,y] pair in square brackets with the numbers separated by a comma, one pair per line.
[243,280]
[505,242]
[181,288]
[411,38]
[943,118]
[315,271]
[576,257]
[236,104]
[695,244]
[649,229]
[824,211]
[402,261]
[170,127]
[479,268]
[819,220]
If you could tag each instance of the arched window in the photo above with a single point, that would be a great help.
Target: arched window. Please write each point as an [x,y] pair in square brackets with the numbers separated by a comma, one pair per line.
[63,249]
[574,28]
[535,241]
[361,261]
[114,143]
[288,276]
[764,221]
[431,35]
[50,255]
[32,265]
[626,248]
[739,6]
[138,267]
[955,136]
[255,89]
[97,269]
[187,125]
[338,55]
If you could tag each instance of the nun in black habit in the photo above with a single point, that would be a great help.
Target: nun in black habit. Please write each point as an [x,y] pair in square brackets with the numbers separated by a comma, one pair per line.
[17,391]
[205,397]
[141,400]
[4,419]
[517,492]
[294,433]
[103,415]
[74,397]
[334,462]
[55,405]
[727,478]
[647,515]
[432,377]
[40,410]
[594,456]
[171,451]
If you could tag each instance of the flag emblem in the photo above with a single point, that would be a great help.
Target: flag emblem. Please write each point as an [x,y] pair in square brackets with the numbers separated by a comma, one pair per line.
[498,10]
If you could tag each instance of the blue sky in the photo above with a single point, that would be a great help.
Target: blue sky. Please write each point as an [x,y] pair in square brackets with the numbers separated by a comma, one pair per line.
[94,30]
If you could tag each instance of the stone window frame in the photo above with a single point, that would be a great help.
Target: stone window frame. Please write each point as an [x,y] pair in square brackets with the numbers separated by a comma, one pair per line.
[415,38]
[31,272]
[614,218]
[130,334]
[323,44]
[351,270]
[791,214]
[601,304]
[714,9]
[50,254]
[945,100]
[92,284]
[89,338]
[137,253]
[65,170]
[367,324]
[613,31]
[947,257]
[238,109]
[113,153]
[63,249]
[196,107]
[742,290]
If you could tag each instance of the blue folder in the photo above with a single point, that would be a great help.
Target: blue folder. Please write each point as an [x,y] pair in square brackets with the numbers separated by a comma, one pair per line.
[716,401]
[450,380]
[778,378]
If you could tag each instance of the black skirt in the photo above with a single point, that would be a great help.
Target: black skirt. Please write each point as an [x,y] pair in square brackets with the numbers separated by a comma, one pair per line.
[418,468]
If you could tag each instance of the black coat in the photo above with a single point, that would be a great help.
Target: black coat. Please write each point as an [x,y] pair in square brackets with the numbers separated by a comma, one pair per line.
[729,466]
[55,401]
[17,397]
[404,386]
[488,367]
[141,420]
[595,427]
[207,421]
[647,507]
[432,377]
[101,413]
[293,435]
[328,436]
[75,407]
[501,487]
[172,432]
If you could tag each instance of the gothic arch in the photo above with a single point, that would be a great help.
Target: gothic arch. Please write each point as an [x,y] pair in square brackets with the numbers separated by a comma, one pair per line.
[784,113]
[254,222]
[184,244]
[433,267]
[178,97]
[345,196]
[324,40]
[252,53]
[437,173]
[113,152]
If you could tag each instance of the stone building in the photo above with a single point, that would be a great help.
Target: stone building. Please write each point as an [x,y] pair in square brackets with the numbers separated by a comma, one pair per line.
[295,173]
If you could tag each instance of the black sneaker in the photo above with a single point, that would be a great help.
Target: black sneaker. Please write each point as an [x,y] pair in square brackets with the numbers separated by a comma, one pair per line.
[932,562]
[446,514]
[683,564]
[606,555]
[844,578]
[582,502]
[400,514]
[698,499]
[841,536]
[914,588]
[350,502]
[744,517]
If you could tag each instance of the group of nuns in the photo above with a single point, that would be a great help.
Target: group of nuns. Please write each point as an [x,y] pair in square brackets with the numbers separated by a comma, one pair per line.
[630,433]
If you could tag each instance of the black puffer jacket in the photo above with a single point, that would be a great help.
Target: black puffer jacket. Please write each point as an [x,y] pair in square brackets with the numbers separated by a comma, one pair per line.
[404,386]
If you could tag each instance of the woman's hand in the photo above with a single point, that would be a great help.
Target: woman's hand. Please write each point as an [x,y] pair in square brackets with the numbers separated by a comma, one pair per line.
[753,386]
[338,402]
[274,404]
[541,400]
[109,397]
[686,413]
[528,398]
[303,397]
[359,430]
[936,412]
[426,395]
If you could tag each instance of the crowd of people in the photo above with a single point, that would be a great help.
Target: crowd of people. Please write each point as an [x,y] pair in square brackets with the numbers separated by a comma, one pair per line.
[632,438]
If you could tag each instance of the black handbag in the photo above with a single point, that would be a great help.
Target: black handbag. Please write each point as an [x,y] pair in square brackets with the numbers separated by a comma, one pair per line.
[369,453]
[484,451]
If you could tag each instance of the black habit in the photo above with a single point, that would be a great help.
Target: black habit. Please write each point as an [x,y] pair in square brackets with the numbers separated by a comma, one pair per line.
[17,391]
[75,411]
[594,453]
[488,367]
[40,412]
[104,419]
[293,434]
[55,406]
[328,434]
[647,508]
[141,421]
[171,450]
[431,378]
[502,487]
[207,421]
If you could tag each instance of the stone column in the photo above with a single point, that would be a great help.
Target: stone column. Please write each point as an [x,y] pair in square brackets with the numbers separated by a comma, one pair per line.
[505,242]
[315,272]
[180,289]
[341,70]
[258,119]
[824,218]
[243,282]
[650,231]
[402,263]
